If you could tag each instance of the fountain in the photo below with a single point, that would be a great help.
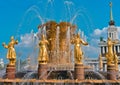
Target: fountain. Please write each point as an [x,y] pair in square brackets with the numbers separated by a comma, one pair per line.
[58,67]
[57,63]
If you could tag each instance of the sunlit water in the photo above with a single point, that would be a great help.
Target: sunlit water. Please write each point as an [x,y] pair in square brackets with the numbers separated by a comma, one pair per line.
[40,13]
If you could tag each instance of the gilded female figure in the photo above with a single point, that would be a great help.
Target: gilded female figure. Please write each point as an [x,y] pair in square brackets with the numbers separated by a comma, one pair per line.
[110,55]
[43,55]
[78,54]
[11,54]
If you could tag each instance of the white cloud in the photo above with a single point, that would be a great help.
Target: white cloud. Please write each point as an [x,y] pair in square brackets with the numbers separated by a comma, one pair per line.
[27,40]
[27,46]
[100,32]
[97,32]
[68,2]
[93,49]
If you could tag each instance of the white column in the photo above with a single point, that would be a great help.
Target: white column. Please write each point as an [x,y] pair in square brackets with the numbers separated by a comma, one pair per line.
[97,66]
[106,49]
[105,67]
[101,49]
[118,67]
[114,48]
[93,67]
[118,48]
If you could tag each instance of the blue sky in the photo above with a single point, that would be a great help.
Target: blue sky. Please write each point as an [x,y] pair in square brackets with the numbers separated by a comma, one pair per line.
[19,17]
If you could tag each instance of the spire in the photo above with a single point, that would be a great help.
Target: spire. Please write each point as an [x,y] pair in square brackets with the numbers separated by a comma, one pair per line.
[111,16]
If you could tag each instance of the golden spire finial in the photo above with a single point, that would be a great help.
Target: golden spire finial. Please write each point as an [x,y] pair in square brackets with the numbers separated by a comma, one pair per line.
[111,16]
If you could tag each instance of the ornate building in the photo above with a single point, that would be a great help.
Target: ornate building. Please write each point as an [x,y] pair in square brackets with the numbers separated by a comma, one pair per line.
[112,32]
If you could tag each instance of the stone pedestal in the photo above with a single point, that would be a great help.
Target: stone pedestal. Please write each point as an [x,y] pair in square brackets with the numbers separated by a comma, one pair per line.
[10,71]
[111,72]
[42,71]
[117,74]
[79,72]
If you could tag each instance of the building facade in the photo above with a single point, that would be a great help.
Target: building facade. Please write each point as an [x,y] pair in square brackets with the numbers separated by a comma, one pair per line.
[112,33]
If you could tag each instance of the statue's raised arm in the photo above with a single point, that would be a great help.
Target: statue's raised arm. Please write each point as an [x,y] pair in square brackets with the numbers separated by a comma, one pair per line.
[83,42]
[4,45]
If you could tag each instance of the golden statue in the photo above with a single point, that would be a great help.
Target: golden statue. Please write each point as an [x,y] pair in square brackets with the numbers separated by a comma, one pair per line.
[110,55]
[100,62]
[116,61]
[11,54]
[43,55]
[78,54]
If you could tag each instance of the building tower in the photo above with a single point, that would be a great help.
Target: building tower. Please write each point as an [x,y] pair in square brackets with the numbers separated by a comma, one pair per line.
[112,30]
[112,33]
